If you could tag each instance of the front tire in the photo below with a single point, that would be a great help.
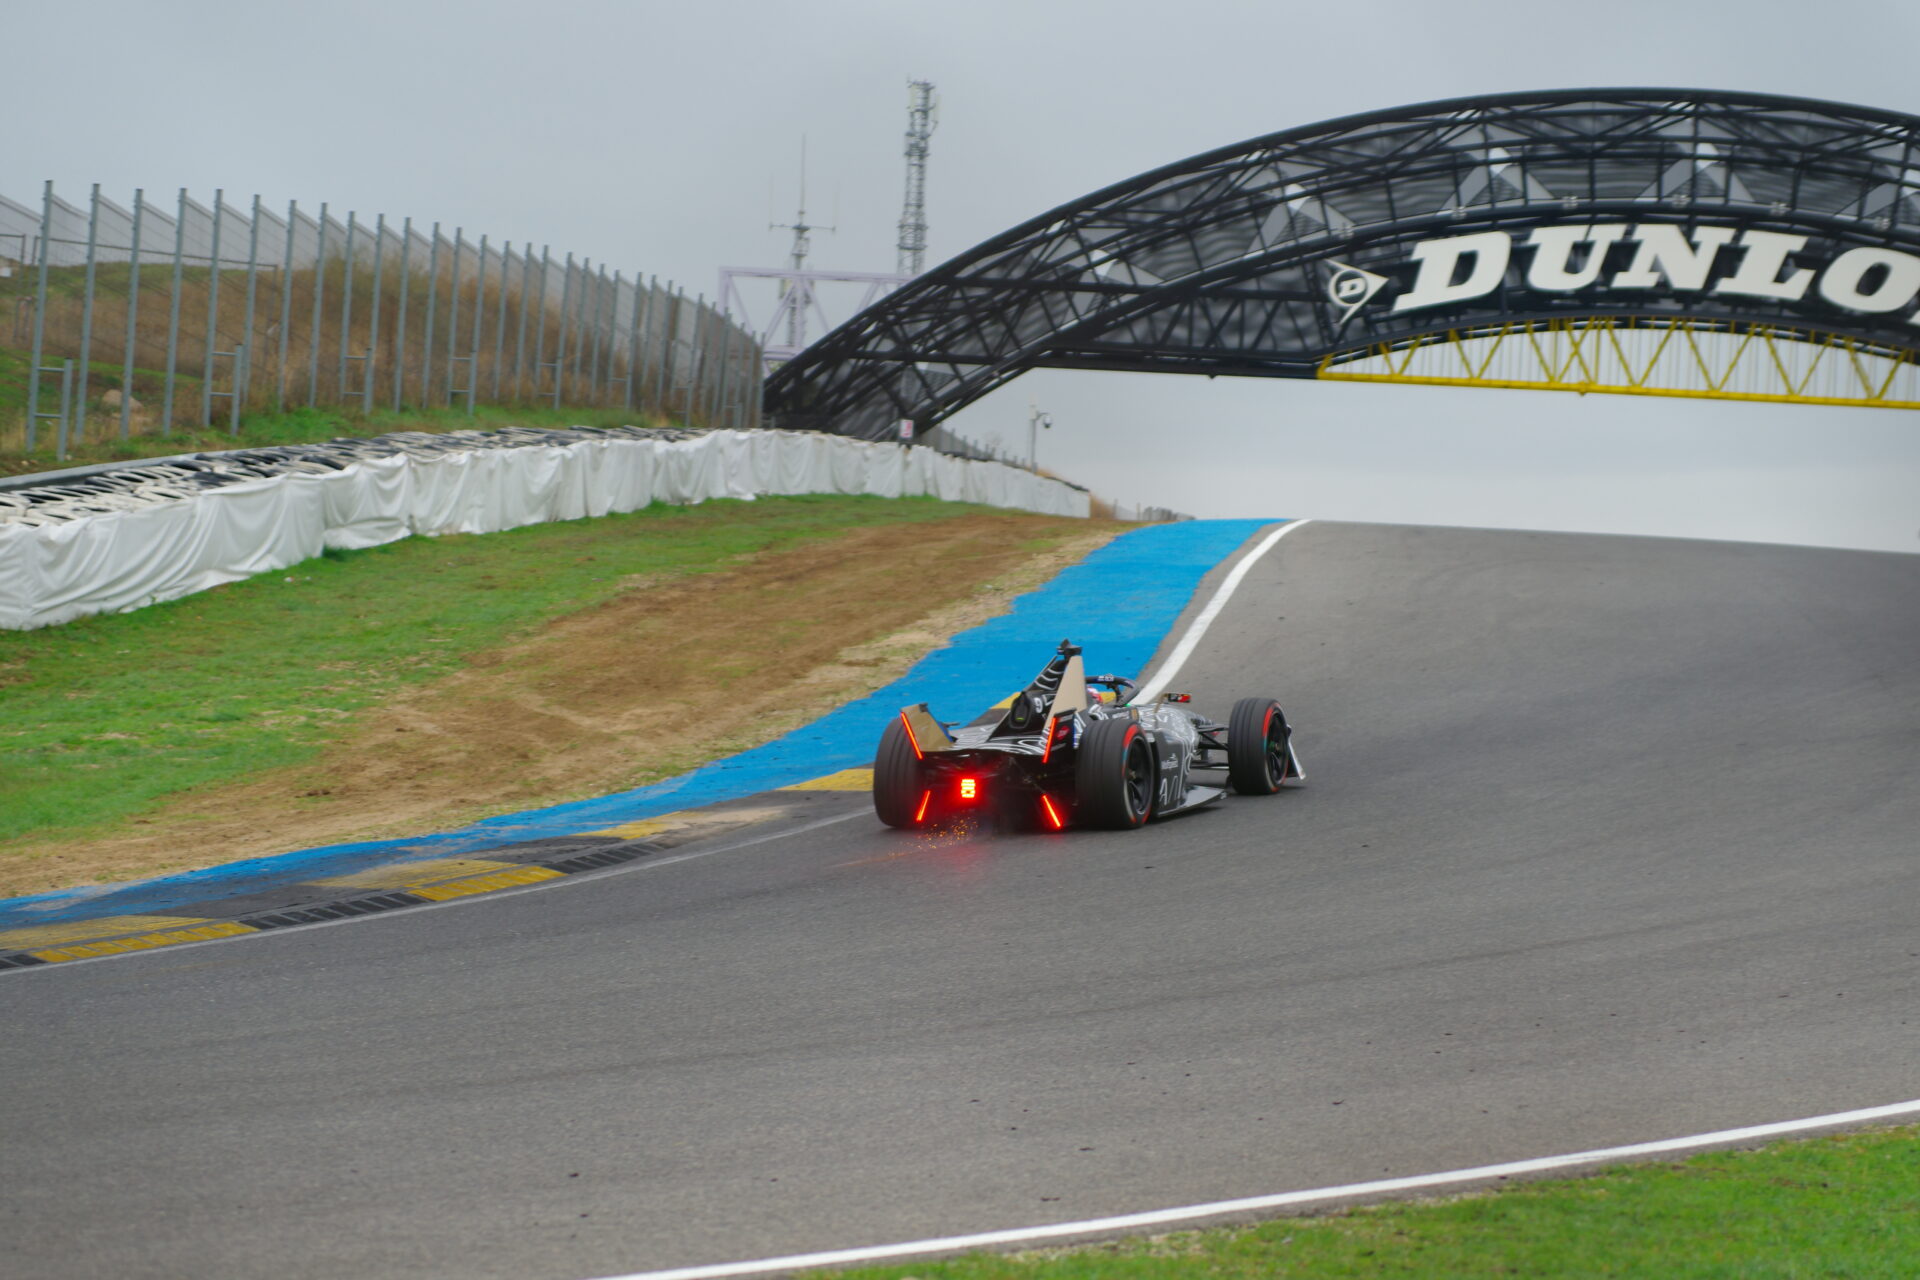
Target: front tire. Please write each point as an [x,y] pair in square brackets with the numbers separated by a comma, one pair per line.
[1257,733]
[1115,775]
[898,783]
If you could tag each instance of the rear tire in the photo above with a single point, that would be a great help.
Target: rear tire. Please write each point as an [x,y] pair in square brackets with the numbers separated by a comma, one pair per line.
[1115,775]
[1257,733]
[898,785]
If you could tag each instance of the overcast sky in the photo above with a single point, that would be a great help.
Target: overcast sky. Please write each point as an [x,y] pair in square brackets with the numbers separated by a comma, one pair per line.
[657,137]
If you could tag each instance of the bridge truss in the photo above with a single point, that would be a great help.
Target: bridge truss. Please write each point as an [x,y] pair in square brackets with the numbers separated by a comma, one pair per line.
[1639,241]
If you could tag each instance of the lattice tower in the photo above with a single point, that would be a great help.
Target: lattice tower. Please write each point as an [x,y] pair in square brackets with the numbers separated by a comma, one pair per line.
[921,119]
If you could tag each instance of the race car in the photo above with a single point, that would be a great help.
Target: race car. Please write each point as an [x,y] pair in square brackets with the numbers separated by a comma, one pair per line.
[1073,749]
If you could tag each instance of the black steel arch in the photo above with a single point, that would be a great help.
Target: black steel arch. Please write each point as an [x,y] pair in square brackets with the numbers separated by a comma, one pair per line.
[1220,264]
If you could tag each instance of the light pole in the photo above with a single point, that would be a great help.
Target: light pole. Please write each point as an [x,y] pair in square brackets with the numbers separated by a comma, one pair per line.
[1035,421]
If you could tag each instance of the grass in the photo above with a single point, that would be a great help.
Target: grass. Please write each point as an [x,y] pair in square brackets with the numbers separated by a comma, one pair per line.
[1846,1206]
[106,716]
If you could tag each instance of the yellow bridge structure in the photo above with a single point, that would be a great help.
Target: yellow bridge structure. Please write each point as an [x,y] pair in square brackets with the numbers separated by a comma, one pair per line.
[1646,356]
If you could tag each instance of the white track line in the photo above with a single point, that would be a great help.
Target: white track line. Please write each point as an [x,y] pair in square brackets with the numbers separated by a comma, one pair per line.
[1191,641]
[1254,1204]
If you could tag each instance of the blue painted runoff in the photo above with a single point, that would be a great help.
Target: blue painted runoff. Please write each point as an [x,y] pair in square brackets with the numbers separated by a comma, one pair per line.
[1118,604]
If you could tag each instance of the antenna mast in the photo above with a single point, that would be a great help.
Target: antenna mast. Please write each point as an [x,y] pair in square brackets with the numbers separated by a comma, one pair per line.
[797,279]
[797,313]
[921,106]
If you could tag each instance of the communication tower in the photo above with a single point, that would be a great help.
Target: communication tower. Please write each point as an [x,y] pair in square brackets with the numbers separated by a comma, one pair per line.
[921,119]
[784,334]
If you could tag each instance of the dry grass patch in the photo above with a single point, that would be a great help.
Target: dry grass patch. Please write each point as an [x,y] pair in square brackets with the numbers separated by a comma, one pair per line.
[655,680]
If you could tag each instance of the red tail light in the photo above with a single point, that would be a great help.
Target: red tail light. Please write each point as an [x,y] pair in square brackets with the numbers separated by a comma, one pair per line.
[926,798]
[911,740]
[969,788]
[1053,814]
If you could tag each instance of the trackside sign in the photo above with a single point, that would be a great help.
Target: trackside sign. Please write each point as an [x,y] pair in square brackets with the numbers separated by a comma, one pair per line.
[1620,257]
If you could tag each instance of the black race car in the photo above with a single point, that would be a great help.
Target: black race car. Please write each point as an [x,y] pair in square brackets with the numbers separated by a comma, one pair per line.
[1072,748]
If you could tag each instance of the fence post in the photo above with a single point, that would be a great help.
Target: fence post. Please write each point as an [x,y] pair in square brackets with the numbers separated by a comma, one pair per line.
[583,334]
[500,318]
[133,316]
[669,338]
[213,312]
[453,314]
[650,385]
[86,317]
[725,379]
[697,358]
[722,369]
[244,375]
[520,339]
[703,347]
[540,329]
[636,359]
[173,314]
[373,326]
[656,325]
[66,410]
[286,310]
[590,330]
[636,344]
[433,299]
[613,344]
[674,354]
[757,384]
[609,310]
[560,341]
[568,343]
[479,324]
[400,324]
[240,350]
[319,297]
[39,313]
[346,302]
[594,331]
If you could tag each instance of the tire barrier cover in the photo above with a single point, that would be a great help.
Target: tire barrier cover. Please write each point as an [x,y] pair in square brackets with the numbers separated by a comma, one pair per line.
[126,537]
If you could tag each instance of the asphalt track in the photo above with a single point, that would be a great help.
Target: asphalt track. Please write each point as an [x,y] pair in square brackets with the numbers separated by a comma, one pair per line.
[1606,840]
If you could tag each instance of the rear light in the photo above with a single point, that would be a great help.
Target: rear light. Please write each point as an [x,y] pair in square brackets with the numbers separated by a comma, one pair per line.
[926,798]
[911,740]
[1053,815]
[969,788]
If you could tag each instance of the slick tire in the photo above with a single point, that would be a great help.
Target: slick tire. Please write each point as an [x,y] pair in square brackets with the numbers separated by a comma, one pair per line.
[897,778]
[1115,776]
[1257,734]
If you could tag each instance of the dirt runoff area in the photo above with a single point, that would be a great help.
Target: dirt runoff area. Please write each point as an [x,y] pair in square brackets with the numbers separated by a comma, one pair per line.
[644,687]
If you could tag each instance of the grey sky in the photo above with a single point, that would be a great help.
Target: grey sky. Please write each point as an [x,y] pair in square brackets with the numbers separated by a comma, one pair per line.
[650,136]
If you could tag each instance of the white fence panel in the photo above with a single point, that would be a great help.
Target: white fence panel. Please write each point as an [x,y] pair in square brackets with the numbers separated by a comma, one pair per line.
[116,561]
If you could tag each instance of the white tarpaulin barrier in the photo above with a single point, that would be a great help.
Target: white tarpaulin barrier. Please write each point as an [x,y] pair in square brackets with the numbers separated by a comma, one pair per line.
[118,560]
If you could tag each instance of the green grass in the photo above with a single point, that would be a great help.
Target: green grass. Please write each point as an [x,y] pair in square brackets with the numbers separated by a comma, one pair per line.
[1846,1206]
[13,382]
[149,386]
[107,715]
[111,280]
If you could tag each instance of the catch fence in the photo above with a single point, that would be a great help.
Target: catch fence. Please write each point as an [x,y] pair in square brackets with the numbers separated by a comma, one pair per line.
[167,314]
